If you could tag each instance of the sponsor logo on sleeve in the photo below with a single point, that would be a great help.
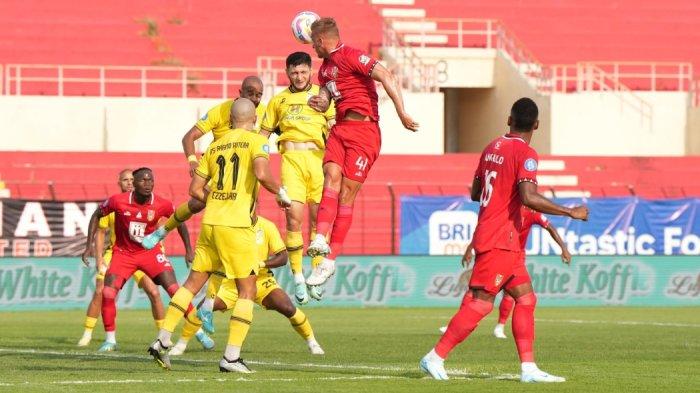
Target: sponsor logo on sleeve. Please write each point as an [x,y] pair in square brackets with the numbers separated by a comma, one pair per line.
[530,165]
[206,115]
[364,59]
[266,148]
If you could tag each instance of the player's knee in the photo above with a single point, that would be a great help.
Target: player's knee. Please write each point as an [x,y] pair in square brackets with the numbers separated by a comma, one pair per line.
[195,206]
[152,292]
[287,309]
[528,299]
[109,293]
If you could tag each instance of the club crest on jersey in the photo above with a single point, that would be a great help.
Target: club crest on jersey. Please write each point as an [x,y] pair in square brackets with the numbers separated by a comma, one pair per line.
[259,236]
[498,280]
[127,214]
[364,59]
[151,215]
[331,73]
[294,109]
[530,165]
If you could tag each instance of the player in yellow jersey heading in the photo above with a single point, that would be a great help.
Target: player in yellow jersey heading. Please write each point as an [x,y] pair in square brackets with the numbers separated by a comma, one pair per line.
[217,121]
[273,253]
[103,256]
[302,140]
[236,164]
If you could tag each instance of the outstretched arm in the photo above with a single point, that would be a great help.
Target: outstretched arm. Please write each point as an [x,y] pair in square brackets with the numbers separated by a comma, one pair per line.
[565,255]
[261,167]
[188,147]
[92,228]
[535,201]
[392,88]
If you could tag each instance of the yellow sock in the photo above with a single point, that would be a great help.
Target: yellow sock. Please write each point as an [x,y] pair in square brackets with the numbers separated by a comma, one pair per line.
[159,323]
[90,323]
[295,249]
[182,214]
[188,331]
[178,305]
[315,261]
[241,318]
[301,324]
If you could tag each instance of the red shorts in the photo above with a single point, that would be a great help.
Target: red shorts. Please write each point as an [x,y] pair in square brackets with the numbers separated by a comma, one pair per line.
[354,145]
[496,268]
[152,262]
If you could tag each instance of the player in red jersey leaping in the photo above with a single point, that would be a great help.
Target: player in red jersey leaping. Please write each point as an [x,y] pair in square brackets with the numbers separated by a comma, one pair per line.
[136,214]
[505,179]
[348,77]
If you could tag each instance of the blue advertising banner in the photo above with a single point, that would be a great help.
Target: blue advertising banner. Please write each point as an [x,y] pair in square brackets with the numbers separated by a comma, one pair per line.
[616,226]
[399,281]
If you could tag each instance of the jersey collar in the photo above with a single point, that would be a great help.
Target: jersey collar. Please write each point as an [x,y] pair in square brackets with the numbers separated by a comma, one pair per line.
[514,136]
[294,89]
[339,47]
[131,200]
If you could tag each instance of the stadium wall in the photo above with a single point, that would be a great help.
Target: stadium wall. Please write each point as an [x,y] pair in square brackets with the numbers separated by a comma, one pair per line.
[483,113]
[692,139]
[158,124]
[63,283]
[599,124]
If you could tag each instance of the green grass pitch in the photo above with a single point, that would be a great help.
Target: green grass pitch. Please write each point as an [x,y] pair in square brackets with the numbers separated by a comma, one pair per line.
[612,349]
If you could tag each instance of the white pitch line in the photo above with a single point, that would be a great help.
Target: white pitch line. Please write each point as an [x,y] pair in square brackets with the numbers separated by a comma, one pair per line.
[454,372]
[200,380]
[627,323]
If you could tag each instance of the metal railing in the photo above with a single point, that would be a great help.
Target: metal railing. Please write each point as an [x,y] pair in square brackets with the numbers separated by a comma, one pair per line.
[414,74]
[138,81]
[492,34]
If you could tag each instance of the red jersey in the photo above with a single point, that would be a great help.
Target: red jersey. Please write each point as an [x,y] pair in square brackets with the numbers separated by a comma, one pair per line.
[346,75]
[504,163]
[133,221]
[528,218]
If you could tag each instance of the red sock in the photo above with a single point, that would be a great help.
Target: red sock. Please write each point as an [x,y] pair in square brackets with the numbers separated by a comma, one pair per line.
[524,326]
[327,211]
[505,308]
[341,226]
[109,308]
[470,313]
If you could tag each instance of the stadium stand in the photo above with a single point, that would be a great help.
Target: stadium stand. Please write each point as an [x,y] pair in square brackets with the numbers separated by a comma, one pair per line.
[90,176]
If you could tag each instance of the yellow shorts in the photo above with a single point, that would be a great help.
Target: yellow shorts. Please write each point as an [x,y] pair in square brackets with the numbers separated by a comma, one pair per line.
[138,275]
[232,250]
[302,175]
[229,294]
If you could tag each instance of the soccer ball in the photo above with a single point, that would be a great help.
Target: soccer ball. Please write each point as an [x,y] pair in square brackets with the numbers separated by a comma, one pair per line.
[301,26]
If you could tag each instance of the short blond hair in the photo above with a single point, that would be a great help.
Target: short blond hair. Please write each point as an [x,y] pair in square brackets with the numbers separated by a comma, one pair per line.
[325,25]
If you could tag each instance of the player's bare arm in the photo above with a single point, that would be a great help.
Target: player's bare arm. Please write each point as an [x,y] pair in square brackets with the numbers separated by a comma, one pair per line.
[565,254]
[475,193]
[198,189]
[92,229]
[322,101]
[100,250]
[468,255]
[261,167]
[392,88]
[188,147]
[536,201]
[277,260]
[185,236]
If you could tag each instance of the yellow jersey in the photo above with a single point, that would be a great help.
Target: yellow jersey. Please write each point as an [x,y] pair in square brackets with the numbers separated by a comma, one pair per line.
[228,167]
[107,222]
[297,121]
[218,119]
[268,240]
